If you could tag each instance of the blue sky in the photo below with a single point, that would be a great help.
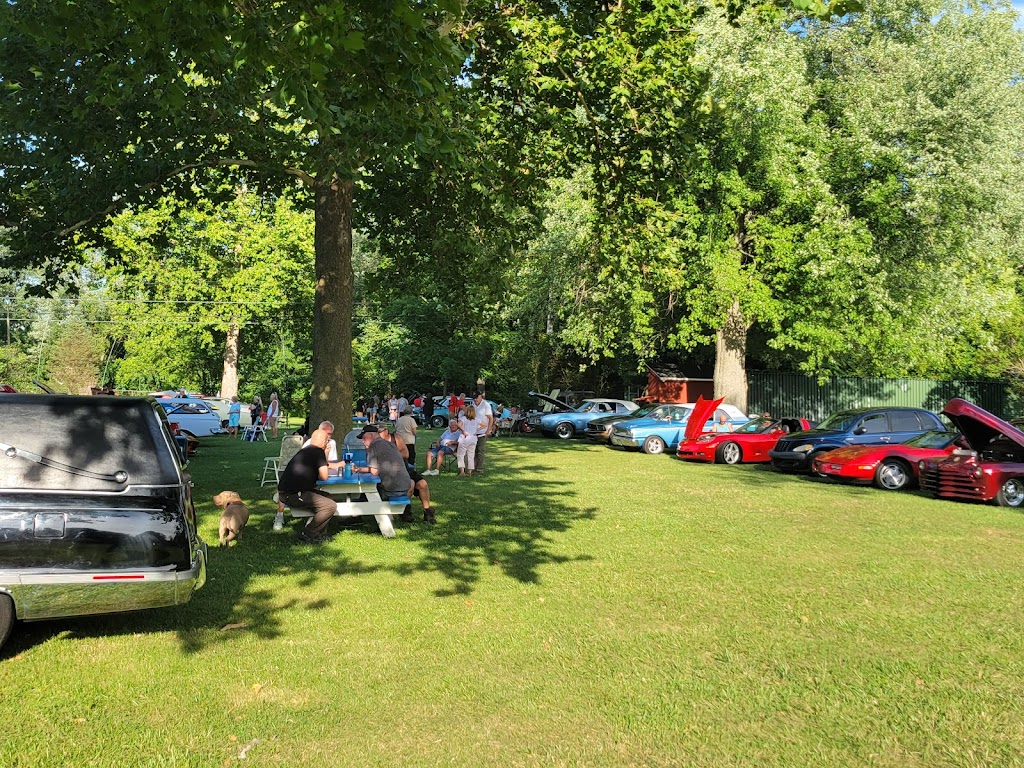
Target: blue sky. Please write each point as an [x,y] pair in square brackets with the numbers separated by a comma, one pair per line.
[1018,5]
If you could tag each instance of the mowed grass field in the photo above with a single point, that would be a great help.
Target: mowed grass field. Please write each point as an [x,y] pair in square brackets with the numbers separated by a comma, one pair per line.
[575,606]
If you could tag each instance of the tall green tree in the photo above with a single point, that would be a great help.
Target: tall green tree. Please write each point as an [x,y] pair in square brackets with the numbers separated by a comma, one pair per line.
[112,104]
[201,292]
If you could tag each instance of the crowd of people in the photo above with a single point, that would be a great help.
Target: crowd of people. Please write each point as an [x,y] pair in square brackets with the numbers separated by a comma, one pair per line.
[390,455]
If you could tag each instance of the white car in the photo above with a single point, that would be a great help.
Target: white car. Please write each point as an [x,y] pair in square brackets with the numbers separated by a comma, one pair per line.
[221,405]
[193,416]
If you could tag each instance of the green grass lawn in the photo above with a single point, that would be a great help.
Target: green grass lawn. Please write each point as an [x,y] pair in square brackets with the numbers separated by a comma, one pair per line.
[575,606]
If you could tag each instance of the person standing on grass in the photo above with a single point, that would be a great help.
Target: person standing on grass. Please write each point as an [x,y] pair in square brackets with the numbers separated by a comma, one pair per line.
[234,416]
[273,414]
[297,487]
[484,414]
[406,429]
[427,409]
[469,427]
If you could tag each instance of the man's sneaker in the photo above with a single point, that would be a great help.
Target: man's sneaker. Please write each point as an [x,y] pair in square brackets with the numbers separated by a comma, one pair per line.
[279,521]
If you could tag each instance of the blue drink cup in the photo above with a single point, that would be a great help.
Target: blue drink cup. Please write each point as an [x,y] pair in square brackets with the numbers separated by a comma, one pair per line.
[347,458]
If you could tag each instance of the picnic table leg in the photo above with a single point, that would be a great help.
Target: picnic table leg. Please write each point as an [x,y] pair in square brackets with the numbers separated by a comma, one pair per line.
[387,530]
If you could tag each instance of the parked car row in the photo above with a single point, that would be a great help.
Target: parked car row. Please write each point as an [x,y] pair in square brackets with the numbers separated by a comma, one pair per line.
[976,456]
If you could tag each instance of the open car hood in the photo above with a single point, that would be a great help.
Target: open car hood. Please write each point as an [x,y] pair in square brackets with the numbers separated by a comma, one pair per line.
[560,405]
[702,411]
[978,426]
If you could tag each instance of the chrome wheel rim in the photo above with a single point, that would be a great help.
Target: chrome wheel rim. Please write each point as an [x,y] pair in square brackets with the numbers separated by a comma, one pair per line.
[1013,492]
[655,446]
[892,476]
[731,453]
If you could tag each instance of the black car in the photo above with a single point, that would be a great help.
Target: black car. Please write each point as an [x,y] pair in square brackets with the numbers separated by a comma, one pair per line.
[96,513]
[864,426]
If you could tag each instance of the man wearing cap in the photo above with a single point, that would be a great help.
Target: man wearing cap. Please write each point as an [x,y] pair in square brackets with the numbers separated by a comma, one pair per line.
[485,417]
[384,460]
[297,487]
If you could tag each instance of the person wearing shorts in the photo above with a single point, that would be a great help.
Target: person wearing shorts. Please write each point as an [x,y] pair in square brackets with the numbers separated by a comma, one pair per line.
[447,445]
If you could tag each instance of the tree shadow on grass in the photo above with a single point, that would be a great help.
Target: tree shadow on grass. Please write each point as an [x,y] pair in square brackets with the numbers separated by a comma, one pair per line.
[508,519]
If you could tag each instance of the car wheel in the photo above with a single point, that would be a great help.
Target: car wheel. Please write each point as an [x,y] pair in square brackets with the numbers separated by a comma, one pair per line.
[565,430]
[814,457]
[6,617]
[654,445]
[437,421]
[223,423]
[892,475]
[729,452]
[1011,493]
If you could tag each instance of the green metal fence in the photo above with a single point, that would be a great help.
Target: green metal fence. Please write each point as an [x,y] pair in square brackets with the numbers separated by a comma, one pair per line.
[789,394]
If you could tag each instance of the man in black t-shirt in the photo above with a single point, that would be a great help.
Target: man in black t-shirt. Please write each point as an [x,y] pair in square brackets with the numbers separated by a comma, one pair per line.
[297,487]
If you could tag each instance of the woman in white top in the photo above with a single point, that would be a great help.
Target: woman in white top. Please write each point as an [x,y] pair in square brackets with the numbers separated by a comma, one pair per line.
[466,455]
[273,414]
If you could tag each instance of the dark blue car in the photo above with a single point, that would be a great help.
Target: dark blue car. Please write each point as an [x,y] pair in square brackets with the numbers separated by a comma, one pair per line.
[864,426]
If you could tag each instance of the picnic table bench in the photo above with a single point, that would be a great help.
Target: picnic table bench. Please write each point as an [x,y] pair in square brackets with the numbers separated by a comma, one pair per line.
[349,490]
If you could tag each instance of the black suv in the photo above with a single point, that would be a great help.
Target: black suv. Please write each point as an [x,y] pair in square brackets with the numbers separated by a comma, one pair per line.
[96,511]
[864,426]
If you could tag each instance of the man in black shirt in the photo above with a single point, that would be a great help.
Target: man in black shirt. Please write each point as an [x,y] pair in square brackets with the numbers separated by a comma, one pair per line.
[297,487]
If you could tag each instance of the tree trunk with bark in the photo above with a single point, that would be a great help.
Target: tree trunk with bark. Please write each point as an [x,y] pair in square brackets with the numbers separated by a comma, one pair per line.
[331,398]
[229,378]
[730,358]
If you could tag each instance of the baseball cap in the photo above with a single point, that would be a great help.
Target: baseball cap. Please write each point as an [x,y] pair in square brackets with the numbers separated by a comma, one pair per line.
[367,430]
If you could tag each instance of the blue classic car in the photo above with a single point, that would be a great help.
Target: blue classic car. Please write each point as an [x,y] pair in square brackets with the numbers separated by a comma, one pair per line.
[665,426]
[567,424]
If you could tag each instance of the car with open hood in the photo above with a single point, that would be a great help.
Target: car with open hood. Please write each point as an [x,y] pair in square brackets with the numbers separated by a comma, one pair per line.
[858,426]
[889,467]
[566,424]
[748,444]
[600,430]
[665,427]
[96,512]
[990,468]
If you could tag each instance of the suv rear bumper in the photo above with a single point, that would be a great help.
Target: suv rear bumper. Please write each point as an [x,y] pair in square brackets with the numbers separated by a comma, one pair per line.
[47,593]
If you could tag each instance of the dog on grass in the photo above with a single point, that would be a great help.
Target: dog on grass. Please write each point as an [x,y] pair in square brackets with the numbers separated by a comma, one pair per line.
[233,518]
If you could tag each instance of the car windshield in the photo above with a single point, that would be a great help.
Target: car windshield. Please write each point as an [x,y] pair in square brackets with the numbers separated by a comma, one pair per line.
[932,439]
[841,421]
[755,426]
[669,413]
[587,407]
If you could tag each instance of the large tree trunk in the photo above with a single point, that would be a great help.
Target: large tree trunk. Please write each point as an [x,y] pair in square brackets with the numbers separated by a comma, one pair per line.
[331,399]
[229,379]
[730,358]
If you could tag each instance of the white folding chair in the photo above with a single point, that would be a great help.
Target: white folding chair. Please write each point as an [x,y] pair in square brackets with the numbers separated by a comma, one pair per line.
[274,465]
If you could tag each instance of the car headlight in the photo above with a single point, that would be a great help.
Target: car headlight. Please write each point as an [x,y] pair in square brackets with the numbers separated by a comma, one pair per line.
[705,438]
[803,448]
[920,466]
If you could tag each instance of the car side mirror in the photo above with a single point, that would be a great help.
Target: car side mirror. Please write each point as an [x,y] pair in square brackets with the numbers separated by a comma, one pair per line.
[860,430]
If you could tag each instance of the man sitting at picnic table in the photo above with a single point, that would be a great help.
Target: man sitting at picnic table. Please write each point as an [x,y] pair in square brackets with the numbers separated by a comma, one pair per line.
[446,445]
[331,449]
[384,460]
[297,487]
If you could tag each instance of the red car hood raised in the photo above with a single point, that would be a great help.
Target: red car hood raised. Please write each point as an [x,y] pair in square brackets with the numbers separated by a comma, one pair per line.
[702,411]
[978,426]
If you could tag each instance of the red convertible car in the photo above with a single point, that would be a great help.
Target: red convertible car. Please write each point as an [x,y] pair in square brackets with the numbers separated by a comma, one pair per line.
[748,443]
[991,470]
[889,467]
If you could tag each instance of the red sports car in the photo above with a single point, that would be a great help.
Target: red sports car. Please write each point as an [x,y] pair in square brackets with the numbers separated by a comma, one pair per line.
[890,467]
[749,443]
